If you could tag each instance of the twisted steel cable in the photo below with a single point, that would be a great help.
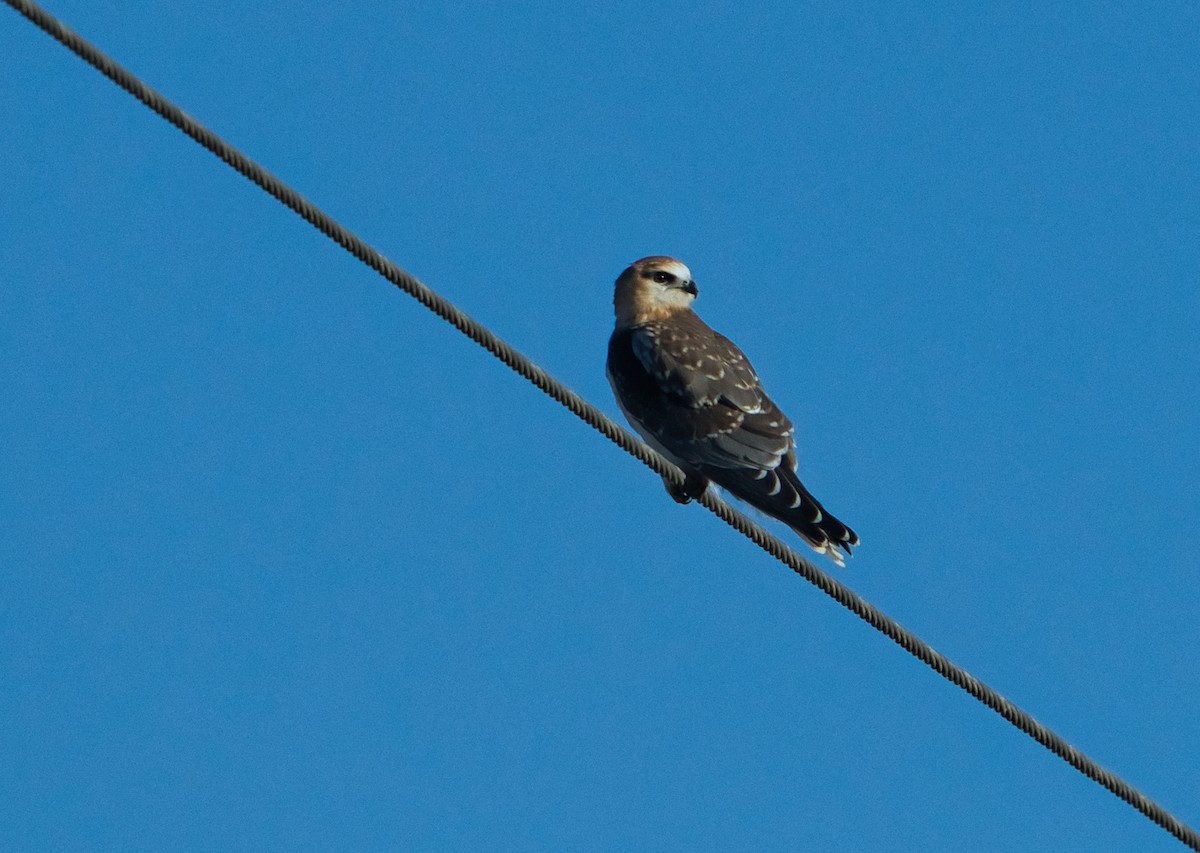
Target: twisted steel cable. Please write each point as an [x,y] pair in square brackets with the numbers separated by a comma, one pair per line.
[591,415]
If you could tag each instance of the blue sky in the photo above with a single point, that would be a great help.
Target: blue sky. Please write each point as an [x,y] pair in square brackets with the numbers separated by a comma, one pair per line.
[288,564]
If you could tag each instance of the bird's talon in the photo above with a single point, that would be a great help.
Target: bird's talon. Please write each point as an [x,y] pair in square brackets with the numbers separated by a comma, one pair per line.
[690,489]
[677,491]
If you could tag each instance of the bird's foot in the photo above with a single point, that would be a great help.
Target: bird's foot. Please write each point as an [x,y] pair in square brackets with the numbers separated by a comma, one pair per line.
[693,487]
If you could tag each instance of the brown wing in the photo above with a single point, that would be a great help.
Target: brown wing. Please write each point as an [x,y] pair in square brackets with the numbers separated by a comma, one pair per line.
[699,396]
[691,392]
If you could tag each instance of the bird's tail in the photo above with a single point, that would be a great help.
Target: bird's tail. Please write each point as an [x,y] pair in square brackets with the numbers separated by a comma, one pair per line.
[780,494]
[819,527]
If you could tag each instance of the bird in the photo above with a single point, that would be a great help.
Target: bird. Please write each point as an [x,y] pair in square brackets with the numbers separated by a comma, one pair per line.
[695,398]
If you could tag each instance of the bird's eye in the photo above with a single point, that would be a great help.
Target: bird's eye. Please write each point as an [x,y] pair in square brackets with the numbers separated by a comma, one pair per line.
[663,277]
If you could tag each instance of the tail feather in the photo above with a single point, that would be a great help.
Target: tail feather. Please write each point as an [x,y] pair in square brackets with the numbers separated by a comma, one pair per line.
[780,494]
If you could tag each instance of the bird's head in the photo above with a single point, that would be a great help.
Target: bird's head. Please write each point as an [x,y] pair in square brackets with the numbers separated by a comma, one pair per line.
[652,289]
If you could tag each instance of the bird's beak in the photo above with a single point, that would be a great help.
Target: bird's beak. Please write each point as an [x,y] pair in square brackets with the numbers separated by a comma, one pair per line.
[690,287]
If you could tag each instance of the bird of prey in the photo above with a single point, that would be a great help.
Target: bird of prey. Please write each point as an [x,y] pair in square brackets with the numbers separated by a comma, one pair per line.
[693,396]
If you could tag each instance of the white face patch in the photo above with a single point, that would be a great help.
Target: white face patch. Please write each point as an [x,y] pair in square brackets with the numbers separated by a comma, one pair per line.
[668,294]
[676,269]
[669,297]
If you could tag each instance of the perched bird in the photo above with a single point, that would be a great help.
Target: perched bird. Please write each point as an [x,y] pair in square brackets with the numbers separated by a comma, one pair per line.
[694,398]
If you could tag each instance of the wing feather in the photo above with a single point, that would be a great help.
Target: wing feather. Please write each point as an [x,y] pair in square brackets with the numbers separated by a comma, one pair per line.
[703,400]
[694,396]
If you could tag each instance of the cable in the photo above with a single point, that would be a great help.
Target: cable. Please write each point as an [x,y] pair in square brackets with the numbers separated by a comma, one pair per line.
[883,623]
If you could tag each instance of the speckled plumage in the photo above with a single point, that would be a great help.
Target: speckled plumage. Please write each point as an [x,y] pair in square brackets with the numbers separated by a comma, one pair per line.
[694,396]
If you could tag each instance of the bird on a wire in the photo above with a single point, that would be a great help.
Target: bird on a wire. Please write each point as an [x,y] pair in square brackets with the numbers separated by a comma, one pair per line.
[695,398]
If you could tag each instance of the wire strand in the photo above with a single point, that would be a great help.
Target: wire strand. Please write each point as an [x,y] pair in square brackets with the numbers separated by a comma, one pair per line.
[866,611]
